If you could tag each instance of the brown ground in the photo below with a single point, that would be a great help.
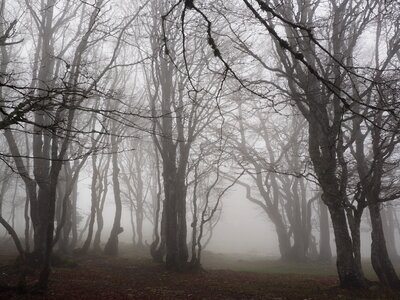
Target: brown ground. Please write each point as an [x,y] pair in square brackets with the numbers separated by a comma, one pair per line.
[98,277]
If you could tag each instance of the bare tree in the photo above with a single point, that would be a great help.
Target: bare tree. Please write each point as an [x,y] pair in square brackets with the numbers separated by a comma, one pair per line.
[317,74]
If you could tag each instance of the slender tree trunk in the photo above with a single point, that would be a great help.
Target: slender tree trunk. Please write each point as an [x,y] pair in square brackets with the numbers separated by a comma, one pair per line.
[85,227]
[132,225]
[102,191]
[27,223]
[388,221]
[139,225]
[157,247]
[111,248]
[182,226]
[99,214]
[194,260]
[74,219]
[88,241]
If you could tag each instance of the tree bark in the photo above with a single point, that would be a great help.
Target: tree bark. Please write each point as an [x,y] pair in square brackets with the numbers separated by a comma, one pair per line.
[325,253]
[111,247]
[92,217]
[388,221]
[349,274]
[379,255]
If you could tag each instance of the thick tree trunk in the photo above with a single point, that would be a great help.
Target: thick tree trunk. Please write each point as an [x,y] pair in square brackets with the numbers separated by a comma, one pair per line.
[63,209]
[49,231]
[41,136]
[171,222]
[40,235]
[379,255]
[285,248]
[354,220]
[323,153]
[176,231]
[349,274]
[371,181]
[300,237]
[325,253]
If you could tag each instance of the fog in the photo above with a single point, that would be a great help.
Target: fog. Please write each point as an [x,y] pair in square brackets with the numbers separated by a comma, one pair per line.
[176,137]
[244,231]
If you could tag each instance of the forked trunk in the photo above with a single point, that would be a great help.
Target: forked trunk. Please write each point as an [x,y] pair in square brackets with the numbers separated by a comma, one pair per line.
[348,271]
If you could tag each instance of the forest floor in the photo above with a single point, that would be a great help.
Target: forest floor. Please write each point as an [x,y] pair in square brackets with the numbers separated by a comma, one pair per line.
[99,277]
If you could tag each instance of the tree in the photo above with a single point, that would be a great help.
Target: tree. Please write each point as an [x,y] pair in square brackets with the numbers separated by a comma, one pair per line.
[64,84]
[181,109]
[314,65]
[272,152]
[206,181]
[139,180]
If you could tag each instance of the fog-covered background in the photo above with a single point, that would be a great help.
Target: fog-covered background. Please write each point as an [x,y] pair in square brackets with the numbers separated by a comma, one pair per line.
[178,129]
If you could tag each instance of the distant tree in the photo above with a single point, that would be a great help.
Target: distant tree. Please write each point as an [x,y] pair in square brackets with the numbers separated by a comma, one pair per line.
[207,186]
[274,157]
[138,181]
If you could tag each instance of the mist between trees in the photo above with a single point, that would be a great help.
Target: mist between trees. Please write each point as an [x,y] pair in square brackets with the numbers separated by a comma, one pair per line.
[160,111]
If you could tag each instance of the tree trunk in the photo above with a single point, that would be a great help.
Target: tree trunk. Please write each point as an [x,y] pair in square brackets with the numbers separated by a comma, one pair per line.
[379,255]
[88,241]
[285,248]
[388,221]
[349,274]
[132,225]
[325,253]
[171,226]
[299,250]
[182,226]
[139,225]
[111,248]
[74,219]
[97,236]
[158,247]
[139,203]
